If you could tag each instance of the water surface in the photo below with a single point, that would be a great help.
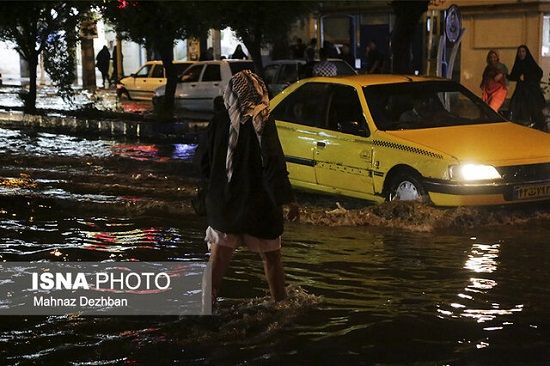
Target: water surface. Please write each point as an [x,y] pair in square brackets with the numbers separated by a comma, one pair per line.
[361,294]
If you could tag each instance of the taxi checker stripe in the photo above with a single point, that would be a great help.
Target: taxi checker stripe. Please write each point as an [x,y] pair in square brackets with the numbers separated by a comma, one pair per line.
[393,145]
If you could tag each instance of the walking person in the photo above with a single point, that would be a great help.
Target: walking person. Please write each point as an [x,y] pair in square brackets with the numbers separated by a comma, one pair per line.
[310,50]
[324,67]
[493,83]
[248,183]
[374,59]
[102,63]
[298,49]
[528,101]
[239,54]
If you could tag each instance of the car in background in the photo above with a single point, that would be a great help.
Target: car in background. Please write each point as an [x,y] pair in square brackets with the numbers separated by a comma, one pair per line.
[201,83]
[142,84]
[397,137]
[281,73]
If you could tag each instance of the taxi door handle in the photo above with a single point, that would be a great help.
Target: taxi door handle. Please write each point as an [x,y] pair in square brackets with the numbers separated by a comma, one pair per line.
[321,144]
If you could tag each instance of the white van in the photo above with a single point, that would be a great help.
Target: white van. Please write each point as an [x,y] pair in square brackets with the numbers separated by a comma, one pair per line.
[202,82]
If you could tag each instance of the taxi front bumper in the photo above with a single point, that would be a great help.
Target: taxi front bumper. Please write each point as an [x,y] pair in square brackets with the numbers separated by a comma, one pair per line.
[446,193]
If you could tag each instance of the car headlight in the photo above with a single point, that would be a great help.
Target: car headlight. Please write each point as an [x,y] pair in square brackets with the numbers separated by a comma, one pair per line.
[474,172]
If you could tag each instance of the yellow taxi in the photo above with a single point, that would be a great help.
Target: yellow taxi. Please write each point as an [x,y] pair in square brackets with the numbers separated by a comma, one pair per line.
[394,137]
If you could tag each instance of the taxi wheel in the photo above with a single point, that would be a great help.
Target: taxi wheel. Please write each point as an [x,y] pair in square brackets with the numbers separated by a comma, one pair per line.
[406,187]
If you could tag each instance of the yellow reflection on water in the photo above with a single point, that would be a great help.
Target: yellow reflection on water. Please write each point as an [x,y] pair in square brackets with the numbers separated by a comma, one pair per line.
[482,258]
[474,302]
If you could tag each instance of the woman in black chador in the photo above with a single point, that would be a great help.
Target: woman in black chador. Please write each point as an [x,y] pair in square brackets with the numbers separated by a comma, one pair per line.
[528,101]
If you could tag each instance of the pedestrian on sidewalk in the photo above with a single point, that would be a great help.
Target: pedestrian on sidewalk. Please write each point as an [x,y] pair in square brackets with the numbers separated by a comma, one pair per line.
[528,101]
[310,50]
[248,183]
[239,54]
[493,83]
[102,63]
[297,49]
[374,59]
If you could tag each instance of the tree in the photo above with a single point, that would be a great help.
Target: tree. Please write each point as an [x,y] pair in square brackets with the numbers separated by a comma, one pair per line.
[159,24]
[407,15]
[259,22]
[43,26]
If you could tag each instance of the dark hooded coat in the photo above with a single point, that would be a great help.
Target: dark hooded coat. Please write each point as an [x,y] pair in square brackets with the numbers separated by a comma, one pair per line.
[251,201]
[102,60]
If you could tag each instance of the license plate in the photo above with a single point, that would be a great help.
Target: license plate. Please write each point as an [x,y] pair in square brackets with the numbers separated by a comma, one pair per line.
[532,191]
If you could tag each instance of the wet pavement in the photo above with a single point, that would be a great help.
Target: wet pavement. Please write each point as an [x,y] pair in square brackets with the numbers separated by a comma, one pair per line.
[101,99]
[392,284]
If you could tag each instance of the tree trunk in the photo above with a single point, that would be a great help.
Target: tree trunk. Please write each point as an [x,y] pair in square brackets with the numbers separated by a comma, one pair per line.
[88,64]
[30,98]
[167,56]
[255,50]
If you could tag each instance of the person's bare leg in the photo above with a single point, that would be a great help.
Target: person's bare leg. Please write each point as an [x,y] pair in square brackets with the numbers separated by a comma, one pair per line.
[274,274]
[220,256]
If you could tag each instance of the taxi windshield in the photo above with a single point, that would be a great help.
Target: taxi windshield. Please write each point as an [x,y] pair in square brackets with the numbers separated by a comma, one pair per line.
[427,104]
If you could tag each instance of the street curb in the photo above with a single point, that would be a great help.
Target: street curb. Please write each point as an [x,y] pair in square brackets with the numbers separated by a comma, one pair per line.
[111,128]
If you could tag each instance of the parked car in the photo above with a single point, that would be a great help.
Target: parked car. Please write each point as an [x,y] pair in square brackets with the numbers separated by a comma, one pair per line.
[392,137]
[151,75]
[281,73]
[201,83]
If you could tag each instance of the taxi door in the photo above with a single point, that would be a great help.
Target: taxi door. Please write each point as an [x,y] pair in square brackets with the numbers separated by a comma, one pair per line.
[135,83]
[343,151]
[299,118]
[156,78]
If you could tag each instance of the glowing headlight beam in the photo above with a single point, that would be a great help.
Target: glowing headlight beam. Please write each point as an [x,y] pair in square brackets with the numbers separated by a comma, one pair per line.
[470,172]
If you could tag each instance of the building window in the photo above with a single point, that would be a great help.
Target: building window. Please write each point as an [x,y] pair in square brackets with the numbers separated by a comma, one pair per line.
[546,36]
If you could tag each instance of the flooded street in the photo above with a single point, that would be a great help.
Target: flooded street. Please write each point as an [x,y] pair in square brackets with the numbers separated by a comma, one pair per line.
[398,284]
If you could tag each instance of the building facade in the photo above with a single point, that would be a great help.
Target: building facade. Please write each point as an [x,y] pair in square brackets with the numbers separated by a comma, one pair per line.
[501,26]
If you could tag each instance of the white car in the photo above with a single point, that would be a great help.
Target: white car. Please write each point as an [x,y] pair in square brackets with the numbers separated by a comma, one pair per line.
[202,82]
[142,84]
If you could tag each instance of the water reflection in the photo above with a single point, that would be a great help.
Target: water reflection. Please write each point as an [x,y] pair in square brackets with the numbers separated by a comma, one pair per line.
[46,144]
[482,261]
[378,286]
[160,153]
[47,98]
[378,291]
[96,238]
[482,258]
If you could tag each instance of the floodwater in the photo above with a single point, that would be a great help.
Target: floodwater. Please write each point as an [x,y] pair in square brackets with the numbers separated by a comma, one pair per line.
[473,291]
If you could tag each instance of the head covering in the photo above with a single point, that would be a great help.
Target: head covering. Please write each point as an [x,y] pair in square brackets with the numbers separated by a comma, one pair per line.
[491,52]
[528,56]
[526,66]
[490,71]
[246,99]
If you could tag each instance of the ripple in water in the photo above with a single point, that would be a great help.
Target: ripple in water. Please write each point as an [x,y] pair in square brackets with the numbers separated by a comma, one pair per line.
[47,144]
